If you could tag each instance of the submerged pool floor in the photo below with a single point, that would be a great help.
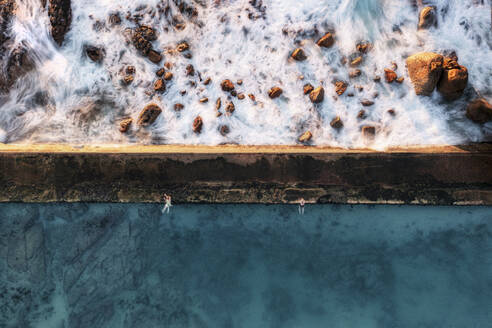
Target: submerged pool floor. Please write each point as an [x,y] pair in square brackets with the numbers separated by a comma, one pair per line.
[129,265]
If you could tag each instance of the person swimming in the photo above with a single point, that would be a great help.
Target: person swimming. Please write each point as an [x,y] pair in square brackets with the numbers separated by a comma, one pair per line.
[301,206]
[167,205]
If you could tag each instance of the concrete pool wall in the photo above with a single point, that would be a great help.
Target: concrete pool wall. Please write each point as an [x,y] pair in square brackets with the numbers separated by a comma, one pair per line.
[447,175]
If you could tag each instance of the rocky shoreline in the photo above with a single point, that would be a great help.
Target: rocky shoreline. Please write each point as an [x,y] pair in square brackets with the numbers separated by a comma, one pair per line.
[427,70]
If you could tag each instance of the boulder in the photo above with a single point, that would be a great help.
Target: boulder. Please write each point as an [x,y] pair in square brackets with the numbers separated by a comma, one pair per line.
[230,108]
[425,69]
[389,75]
[125,124]
[317,95]
[326,41]
[154,56]
[336,123]
[197,124]
[114,19]
[178,107]
[366,102]
[96,54]
[427,18]
[183,46]
[356,62]
[149,114]
[60,13]
[308,88]
[479,111]
[224,130]
[369,131]
[305,137]
[340,87]
[190,70]
[454,79]
[160,85]
[227,85]
[299,54]
[363,47]
[275,92]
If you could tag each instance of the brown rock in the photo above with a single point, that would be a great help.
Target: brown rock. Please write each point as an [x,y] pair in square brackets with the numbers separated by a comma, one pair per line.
[377,78]
[230,108]
[227,85]
[392,112]
[224,130]
[60,13]
[154,56]
[239,82]
[361,114]
[168,76]
[299,54]
[149,114]
[160,85]
[160,72]
[454,80]
[317,95]
[369,131]
[367,102]
[340,87]
[400,80]
[308,88]
[95,54]
[389,75]
[355,73]
[197,124]
[479,111]
[427,18]
[326,41]
[207,81]
[125,124]
[128,79]
[218,104]
[275,92]
[190,70]
[363,47]
[305,137]
[178,107]
[356,62]
[204,100]
[114,19]
[130,70]
[183,46]
[241,96]
[424,69]
[336,123]
[252,97]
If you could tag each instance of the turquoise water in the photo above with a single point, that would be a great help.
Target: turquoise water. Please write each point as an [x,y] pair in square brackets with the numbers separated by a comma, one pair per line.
[114,265]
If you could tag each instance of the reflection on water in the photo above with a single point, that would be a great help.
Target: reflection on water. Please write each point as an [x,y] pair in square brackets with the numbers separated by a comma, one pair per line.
[114,265]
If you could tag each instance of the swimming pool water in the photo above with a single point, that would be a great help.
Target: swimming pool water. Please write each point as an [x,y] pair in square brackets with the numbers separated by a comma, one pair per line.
[129,265]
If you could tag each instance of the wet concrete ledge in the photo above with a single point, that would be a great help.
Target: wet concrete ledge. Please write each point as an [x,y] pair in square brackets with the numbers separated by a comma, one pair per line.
[459,175]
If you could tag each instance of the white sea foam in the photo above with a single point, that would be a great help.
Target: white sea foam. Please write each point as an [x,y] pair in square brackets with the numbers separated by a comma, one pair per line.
[86,100]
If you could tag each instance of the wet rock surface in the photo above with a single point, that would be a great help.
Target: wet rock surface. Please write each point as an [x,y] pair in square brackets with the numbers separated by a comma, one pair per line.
[427,18]
[454,79]
[425,70]
[149,114]
[60,13]
[479,111]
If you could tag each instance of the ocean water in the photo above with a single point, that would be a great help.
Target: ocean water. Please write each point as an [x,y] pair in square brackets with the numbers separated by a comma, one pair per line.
[83,102]
[129,265]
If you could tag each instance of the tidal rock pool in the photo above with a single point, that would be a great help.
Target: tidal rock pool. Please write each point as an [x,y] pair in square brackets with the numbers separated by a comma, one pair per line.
[129,265]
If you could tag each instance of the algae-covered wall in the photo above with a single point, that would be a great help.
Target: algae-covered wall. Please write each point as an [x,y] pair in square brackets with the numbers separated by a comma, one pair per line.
[448,175]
